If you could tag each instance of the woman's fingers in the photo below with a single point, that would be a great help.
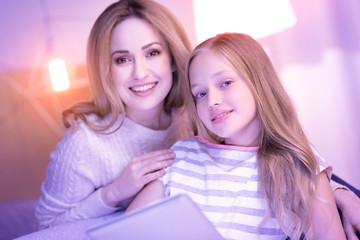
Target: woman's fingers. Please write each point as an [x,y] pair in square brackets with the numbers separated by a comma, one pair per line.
[151,162]
[153,176]
[140,171]
[157,162]
[153,156]
[150,167]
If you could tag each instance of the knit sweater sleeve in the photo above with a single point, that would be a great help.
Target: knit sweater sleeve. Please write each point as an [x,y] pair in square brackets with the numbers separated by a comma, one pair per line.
[72,188]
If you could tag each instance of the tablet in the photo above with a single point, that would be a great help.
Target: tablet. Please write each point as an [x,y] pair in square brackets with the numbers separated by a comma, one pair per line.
[172,218]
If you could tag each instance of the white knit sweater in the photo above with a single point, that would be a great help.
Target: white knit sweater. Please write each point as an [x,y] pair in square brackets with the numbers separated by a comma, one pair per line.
[85,161]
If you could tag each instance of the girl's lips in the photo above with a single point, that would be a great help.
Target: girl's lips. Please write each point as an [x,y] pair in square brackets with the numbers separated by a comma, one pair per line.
[143,88]
[220,116]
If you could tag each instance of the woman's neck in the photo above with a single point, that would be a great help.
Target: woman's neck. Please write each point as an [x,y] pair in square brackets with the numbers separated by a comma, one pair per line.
[156,119]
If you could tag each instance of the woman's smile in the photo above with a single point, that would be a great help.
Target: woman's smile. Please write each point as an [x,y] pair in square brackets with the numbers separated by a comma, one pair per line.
[143,89]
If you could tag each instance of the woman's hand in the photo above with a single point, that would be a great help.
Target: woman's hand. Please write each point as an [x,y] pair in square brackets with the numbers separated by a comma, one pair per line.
[349,205]
[139,172]
[326,219]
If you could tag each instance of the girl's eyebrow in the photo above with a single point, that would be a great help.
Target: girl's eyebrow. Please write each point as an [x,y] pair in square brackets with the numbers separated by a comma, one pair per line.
[219,73]
[193,85]
[144,47]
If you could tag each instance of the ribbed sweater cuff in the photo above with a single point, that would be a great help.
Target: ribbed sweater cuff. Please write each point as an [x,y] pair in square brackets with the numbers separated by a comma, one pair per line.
[95,205]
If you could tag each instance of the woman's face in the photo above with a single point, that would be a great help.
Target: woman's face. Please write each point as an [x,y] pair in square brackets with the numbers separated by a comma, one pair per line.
[140,66]
[224,101]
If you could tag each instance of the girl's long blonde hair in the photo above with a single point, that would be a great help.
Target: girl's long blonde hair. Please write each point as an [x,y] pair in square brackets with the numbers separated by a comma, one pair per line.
[106,99]
[287,165]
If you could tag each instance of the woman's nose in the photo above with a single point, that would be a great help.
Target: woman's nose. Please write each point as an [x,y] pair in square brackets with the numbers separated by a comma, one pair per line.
[140,70]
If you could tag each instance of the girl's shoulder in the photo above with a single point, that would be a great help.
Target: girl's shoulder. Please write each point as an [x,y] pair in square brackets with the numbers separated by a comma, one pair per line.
[191,143]
[199,142]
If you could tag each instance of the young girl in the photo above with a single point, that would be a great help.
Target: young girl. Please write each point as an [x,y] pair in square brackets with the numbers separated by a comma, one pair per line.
[136,59]
[255,174]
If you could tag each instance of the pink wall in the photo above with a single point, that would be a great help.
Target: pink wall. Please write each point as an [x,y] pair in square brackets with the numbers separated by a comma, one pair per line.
[318,60]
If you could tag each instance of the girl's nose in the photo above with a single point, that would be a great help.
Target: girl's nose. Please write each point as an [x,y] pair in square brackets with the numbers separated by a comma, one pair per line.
[214,98]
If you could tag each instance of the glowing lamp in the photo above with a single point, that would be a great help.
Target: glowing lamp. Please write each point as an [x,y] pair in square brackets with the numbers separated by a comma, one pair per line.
[58,75]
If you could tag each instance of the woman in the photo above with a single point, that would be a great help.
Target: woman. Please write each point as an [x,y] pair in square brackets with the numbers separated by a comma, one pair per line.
[119,141]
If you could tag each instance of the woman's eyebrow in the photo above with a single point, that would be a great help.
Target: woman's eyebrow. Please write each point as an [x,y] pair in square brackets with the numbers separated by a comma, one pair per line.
[144,47]
[120,51]
[150,44]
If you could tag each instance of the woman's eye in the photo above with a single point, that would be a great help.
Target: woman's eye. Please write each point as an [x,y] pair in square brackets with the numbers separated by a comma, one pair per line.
[122,60]
[200,95]
[153,53]
[226,83]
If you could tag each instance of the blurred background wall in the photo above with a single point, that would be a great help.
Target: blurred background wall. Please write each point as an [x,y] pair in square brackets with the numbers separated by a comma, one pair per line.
[317,56]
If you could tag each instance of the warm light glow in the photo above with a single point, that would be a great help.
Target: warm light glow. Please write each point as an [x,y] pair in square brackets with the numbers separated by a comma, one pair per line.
[257,18]
[58,75]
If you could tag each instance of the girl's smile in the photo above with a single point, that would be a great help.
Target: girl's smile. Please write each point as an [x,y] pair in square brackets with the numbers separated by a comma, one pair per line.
[220,116]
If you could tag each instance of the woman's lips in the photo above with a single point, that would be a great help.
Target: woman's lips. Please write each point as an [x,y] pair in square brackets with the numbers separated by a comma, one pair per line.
[144,89]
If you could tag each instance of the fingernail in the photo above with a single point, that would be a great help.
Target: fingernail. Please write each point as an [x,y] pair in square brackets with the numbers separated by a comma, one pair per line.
[172,155]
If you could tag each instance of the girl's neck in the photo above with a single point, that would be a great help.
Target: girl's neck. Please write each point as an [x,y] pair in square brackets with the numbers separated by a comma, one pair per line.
[156,119]
[249,137]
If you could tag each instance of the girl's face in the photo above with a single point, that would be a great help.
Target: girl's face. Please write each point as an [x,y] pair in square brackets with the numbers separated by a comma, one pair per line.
[224,101]
[140,66]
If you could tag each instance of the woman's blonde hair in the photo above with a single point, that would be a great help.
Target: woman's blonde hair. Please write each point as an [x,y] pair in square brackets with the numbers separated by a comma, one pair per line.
[287,165]
[106,100]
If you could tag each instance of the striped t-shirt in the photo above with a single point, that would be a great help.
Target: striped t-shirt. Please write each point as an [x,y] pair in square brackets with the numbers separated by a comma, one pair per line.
[223,181]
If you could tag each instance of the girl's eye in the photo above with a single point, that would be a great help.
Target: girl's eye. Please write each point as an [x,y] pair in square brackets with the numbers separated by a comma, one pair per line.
[200,95]
[153,53]
[226,83]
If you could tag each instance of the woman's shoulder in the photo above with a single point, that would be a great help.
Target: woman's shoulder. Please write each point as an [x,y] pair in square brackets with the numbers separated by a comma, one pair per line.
[91,122]
[82,126]
[79,142]
[81,133]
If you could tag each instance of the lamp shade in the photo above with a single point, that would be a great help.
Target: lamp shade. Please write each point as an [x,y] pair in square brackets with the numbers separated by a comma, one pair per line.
[257,18]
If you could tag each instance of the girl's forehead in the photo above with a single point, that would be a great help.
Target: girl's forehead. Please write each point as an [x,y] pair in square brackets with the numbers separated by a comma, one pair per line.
[207,64]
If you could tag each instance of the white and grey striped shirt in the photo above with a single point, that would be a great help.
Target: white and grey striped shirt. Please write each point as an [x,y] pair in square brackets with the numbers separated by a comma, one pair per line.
[223,181]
